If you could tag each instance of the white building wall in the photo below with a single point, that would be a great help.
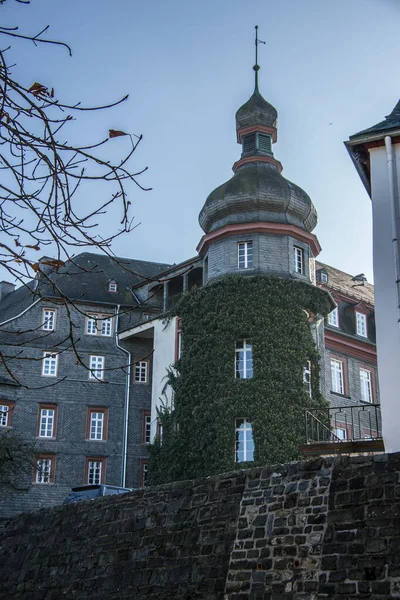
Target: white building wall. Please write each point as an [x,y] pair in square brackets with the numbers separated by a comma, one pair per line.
[386,299]
[163,357]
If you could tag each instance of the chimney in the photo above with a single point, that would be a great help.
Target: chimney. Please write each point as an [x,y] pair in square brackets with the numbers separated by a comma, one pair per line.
[6,288]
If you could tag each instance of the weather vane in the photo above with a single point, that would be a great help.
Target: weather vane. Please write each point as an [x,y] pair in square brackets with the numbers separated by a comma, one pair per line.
[256,66]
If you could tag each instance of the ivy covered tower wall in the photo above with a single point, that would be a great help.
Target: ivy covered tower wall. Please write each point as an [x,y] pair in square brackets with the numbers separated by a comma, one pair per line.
[250,363]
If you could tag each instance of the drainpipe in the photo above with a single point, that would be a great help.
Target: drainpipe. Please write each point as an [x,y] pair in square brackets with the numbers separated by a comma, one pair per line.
[394,215]
[126,408]
[21,313]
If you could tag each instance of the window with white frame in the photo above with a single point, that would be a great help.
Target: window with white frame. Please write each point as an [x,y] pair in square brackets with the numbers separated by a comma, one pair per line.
[49,319]
[47,421]
[5,414]
[333,317]
[147,428]
[141,368]
[243,359]
[245,255]
[96,367]
[49,365]
[99,325]
[95,471]
[44,471]
[307,378]
[337,382]
[366,385]
[97,424]
[112,286]
[323,277]
[361,323]
[298,260]
[244,441]
[340,432]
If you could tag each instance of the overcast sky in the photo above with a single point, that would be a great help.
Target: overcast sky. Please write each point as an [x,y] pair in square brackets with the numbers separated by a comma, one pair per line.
[329,68]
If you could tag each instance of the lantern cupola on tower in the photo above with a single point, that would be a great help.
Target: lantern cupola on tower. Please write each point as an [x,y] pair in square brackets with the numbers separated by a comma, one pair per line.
[258,207]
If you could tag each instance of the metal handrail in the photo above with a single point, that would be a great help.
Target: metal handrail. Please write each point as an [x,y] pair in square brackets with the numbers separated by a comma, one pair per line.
[358,422]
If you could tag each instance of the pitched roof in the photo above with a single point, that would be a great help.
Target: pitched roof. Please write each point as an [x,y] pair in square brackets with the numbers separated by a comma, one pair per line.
[85,278]
[343,283]
[392,121]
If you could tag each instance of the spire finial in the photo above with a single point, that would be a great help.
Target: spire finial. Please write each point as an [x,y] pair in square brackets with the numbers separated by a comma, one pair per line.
[256,66]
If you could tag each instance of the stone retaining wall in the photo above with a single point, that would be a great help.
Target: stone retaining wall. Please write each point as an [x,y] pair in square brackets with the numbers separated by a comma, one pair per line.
[309,530]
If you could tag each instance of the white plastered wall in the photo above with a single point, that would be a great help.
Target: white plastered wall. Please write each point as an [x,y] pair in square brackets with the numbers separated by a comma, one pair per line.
[386,299]
[163,357]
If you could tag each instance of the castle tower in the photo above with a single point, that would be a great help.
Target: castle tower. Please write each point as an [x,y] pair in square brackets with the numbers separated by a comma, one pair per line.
[249,365]
[258,222]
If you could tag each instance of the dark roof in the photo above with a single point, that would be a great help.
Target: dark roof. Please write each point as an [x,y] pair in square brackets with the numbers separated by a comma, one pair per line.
[257,192]
[342,283]
[256,111]
[85,278]
[392,121]
[16,302]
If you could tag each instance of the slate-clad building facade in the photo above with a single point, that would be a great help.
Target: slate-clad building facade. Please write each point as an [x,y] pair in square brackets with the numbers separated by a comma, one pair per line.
[83,379]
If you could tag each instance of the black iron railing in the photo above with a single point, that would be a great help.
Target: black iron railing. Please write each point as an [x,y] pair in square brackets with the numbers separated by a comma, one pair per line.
[344,423]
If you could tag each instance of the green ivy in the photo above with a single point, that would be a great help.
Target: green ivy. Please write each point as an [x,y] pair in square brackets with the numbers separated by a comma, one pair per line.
[199,433]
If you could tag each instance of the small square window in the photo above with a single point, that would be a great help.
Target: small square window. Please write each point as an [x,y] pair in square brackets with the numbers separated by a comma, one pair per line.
[324,277]
[49,366]
[141,369]
[299,260]
[96,367]
[44,469]
[49,319]
[112,286]
[340,433]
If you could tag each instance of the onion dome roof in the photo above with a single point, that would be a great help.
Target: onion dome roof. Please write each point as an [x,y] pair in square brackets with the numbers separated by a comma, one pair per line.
[257,192]
[256,111]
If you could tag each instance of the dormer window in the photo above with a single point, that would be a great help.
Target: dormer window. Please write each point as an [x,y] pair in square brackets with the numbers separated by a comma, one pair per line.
[324,277]
[255,143]
[112,286]
[361,324]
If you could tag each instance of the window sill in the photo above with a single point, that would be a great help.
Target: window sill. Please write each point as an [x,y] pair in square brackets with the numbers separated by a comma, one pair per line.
[95,441]
[37,483]
[46,438]
[340,395]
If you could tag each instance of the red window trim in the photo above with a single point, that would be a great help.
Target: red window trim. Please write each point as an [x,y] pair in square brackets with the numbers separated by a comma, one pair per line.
[343,360]
[372,370]
[44,406]
[146,413]
[99,409]
[101,459]
[52,458]
[11,406]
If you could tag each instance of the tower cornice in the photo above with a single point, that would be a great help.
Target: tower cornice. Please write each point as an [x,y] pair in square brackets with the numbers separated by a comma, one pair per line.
[260,227]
